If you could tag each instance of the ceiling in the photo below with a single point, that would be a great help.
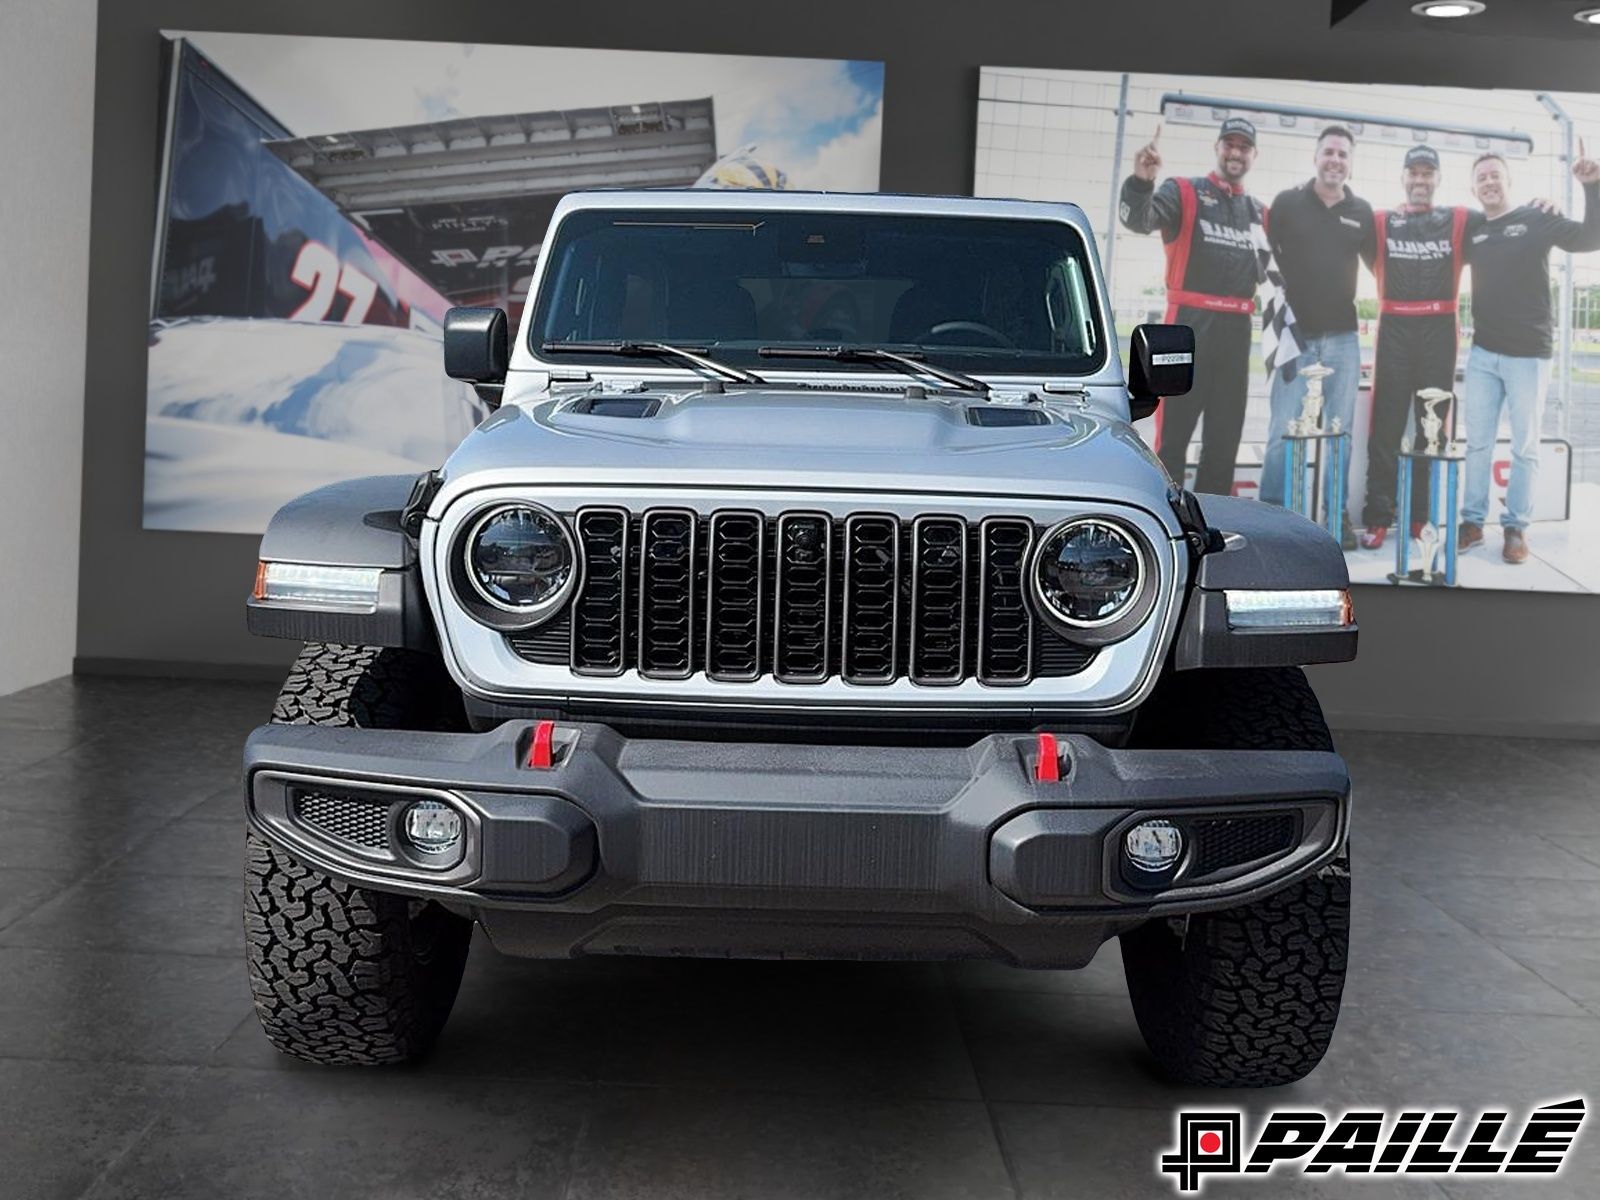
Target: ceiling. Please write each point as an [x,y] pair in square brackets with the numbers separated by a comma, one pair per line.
[1503,18]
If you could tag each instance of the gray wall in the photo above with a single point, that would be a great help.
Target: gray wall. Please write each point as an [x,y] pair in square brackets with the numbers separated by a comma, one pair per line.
[1470,660]
[44,211]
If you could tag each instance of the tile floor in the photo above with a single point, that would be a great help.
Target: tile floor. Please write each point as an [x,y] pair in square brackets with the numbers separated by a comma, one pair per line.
[131,1064]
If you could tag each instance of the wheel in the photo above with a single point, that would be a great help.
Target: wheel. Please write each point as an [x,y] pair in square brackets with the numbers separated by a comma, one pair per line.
[1247,997]
[342,974]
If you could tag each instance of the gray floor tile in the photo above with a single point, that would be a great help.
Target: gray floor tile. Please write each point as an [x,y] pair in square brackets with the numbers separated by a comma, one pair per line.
[390,1135]
[1576,1182]
[803,1027]
[1063,1049]
[225,804]
[21,746]
[47,837]
[1571,964]
[1069,1152]
[189,846]
[1446,973]
[1383,904]
[1517,908]
[23,890]
[1470,846]
[706,1145]
[1585,846]
[80,782]
[62,1123]
[1398,1056]
[86,1005]
[98,703]
[113,909]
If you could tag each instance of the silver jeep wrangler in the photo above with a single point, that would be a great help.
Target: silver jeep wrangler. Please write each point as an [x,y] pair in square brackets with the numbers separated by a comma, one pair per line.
[808,593]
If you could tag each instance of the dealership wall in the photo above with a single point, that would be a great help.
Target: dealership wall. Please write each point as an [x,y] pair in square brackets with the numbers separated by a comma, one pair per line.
[1479,661]
[46,93]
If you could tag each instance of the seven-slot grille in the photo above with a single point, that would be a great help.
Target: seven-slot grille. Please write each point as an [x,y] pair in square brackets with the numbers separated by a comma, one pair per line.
[804,597]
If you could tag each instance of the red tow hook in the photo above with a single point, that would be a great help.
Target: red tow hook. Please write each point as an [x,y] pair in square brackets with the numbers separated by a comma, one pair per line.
[1048,769]
[542,750]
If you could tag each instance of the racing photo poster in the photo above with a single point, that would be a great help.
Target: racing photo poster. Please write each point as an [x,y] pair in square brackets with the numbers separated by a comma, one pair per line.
[1395,292]
[324,201]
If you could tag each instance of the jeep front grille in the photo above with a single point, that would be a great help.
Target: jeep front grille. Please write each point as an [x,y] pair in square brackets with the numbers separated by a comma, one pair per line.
[804,597]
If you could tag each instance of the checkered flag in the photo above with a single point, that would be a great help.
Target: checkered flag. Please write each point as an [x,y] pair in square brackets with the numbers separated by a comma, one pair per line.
[1280,345]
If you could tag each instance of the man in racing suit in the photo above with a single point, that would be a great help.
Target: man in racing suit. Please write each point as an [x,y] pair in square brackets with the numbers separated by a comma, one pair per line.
[1420,252]
[1207,226]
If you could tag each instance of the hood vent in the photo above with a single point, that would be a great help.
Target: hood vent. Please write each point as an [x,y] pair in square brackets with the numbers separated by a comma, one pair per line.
[633,407]
[995,416]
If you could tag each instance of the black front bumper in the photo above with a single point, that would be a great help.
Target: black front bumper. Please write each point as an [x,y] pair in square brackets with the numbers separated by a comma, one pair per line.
[645,846]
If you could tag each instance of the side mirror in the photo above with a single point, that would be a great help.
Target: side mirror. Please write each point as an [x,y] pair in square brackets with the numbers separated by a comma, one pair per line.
[1160,363]
[475,349]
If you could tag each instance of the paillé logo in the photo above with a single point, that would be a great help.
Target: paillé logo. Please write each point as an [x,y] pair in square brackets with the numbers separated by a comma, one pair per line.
[1372,1141]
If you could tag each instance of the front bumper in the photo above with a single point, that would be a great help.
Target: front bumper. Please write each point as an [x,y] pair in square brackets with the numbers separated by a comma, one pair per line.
[742,849]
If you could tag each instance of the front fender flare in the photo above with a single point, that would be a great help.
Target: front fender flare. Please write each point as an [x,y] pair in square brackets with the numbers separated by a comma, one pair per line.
[1263,546]
[354,523]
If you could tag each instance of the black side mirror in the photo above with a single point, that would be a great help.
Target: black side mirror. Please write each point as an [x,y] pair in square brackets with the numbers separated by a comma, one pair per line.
[475,349]
[1160,363]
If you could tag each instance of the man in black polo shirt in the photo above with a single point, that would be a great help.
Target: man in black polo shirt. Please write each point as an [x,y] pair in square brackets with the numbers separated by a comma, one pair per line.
[1319,232]
[1512,345]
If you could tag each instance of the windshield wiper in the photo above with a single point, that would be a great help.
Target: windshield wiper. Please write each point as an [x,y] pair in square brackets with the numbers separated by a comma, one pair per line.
[694,354]
[909,363]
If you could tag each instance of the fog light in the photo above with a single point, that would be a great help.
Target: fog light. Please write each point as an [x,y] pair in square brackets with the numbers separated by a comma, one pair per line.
[1154,846]
[432,827]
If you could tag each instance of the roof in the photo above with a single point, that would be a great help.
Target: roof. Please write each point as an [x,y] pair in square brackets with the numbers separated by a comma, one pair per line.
[797,201]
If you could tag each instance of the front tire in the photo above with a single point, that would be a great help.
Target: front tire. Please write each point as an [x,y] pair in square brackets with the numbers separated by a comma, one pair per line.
[1247,997]
[342,974]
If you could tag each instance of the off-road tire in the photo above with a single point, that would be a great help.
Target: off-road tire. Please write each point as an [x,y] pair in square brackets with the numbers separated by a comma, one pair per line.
[1247,997]
[343,974]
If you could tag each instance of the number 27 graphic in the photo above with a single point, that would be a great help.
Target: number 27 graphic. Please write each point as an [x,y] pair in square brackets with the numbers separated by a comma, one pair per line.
[318,270]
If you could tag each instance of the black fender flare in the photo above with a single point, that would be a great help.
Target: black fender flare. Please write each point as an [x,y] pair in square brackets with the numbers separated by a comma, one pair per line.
[1267,547]
[353,523]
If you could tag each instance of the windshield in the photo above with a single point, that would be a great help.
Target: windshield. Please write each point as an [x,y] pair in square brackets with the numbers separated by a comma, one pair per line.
[979,294]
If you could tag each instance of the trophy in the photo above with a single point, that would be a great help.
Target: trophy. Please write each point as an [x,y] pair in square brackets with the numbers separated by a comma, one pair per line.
[1438,533]
[1303,466]
[1311,406]
[1432,422]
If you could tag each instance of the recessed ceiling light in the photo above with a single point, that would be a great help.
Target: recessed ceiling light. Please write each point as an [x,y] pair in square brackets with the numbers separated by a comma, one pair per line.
[1589,16]
[1449,8]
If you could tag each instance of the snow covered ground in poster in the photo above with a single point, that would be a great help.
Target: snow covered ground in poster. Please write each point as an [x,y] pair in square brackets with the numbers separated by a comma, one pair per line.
[246,414]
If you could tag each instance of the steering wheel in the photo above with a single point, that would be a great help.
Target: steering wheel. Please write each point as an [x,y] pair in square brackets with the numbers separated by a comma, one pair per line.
[988,332]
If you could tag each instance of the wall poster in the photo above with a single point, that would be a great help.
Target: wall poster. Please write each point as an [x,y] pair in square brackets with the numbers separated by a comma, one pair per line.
[1395,293]
[324,201]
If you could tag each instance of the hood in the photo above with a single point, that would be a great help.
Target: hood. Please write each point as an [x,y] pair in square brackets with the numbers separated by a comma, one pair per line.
[813,440]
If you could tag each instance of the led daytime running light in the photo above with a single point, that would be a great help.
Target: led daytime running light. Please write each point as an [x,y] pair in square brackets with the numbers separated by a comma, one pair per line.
[1328,608]
[308,585]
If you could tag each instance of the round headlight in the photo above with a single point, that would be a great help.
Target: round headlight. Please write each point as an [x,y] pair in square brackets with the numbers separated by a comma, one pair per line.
[520,559]
[1089,574]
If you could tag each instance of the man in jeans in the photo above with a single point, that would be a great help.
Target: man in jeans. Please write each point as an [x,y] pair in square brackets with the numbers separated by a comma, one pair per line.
[1512,344]
[1319,232]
